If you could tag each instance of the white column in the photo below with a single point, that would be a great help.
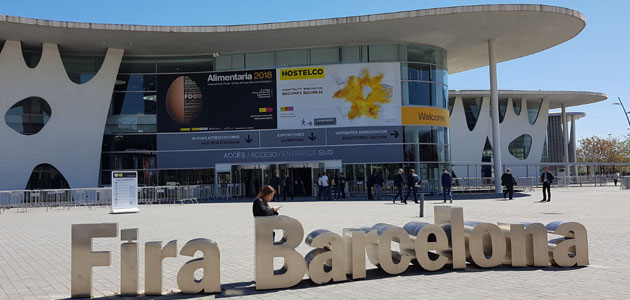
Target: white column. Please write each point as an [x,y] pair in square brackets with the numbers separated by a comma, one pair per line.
[565,144]
[494,108]
[573,146]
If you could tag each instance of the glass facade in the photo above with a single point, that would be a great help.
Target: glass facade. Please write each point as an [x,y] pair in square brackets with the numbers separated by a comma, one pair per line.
[533,109]
[46,176]
[516,103]
[472,107]
[28,116]
[129,140]
[520,146]
[502,109]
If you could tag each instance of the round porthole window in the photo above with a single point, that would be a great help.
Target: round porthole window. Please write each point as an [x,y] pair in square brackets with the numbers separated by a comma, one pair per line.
[28,116]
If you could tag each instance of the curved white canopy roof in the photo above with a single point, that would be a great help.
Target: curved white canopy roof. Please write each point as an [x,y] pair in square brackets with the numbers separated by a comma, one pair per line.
[519,30]
[556,98]
[575,115]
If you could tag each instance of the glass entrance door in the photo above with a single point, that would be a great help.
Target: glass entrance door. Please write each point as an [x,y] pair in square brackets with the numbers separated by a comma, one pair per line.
[297,179]
[251,182]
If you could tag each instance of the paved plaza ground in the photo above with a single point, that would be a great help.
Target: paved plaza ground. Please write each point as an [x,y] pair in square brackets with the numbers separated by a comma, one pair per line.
[35,248]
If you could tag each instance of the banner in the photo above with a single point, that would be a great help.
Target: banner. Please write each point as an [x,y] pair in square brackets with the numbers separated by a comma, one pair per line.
[424,115]
[342,95]
[124,192]
[237,100]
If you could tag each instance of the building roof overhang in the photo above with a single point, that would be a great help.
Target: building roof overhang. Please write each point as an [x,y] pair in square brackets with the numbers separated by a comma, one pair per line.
[519,30]
[556,98]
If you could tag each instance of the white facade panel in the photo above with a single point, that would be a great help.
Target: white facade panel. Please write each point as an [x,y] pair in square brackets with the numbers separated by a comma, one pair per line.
[467,146]
[71,140]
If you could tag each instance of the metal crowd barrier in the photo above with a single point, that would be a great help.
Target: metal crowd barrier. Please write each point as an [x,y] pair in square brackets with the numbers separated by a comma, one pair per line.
[228,191]
[60,198]
[389,191]
[175,194]
[22,200]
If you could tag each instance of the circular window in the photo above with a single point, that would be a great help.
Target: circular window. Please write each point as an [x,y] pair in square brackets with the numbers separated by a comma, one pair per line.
[28,116]
[520,146]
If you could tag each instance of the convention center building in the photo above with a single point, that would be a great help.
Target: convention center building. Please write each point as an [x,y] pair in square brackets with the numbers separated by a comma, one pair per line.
[250,104]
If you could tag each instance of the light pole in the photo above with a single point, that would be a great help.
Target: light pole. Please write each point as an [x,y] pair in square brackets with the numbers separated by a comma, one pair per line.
[624,109]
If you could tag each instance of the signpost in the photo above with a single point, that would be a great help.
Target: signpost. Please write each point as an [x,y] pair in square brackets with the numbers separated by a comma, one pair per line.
[124,192]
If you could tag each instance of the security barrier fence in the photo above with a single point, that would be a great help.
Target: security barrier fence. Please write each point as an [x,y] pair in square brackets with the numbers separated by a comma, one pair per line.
[22,200]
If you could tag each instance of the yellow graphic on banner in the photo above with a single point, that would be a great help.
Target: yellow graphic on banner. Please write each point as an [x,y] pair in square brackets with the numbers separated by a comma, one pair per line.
[421,115]
[363,105]
[303,73]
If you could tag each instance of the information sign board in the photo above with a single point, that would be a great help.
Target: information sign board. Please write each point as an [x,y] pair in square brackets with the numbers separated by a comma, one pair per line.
[124,192]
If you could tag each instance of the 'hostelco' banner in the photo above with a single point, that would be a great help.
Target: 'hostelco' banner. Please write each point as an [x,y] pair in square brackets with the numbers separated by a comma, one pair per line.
[334,258]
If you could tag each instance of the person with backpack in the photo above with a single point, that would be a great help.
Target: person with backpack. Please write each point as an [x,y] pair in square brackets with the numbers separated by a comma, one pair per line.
[508,181]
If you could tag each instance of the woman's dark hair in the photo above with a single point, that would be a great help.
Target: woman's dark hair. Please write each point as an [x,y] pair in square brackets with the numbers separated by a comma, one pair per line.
[267,189]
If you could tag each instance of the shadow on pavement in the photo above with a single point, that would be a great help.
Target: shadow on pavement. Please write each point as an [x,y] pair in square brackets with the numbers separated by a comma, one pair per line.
[247,288]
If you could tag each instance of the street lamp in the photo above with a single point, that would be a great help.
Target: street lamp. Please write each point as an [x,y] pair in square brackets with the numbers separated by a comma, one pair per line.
[624,109]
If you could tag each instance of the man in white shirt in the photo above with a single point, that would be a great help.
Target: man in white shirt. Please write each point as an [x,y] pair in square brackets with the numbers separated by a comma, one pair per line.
[324,183]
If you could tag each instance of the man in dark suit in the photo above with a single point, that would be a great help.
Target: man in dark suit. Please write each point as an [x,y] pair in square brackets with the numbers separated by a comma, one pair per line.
[286,186]
[399,180]
[342,185]
[447,182]
[413,181]
[275,184]
[547,179]
[370,184]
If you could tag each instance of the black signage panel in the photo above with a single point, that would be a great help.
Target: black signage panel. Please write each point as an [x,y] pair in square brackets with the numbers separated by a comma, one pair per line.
[238,100]
[297,137]
[364,135]
[348,154]
[208,140]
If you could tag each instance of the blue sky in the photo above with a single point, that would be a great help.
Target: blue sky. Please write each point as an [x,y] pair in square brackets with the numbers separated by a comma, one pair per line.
[595,60]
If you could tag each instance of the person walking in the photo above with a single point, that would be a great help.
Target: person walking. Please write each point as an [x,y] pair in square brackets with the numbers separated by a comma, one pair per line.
[320,187]
[447,183]
[379,181]
[260,205]
[275,184]
[326,187]
[342,185]
[547,179]
[333,187]
[413,181]
[286,186]
[508,181]
[370,184]
[616,178]
[398,183]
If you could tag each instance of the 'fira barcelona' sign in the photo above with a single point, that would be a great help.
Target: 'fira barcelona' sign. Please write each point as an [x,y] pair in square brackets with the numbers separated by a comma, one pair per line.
[450,241]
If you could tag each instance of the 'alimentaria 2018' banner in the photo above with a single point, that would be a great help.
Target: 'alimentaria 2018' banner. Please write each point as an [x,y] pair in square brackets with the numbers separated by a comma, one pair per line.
[218,101]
